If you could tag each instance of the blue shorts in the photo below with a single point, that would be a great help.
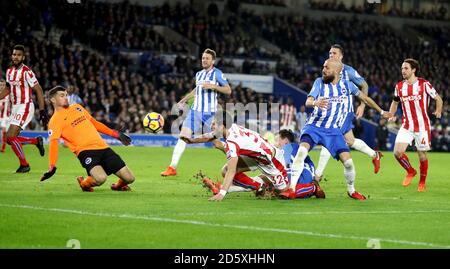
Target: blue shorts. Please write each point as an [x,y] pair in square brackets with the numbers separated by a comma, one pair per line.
[199,122]
[330,138]
[348,123]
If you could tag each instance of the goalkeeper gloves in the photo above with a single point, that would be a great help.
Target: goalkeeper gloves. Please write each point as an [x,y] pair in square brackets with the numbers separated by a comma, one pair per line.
[51,171]
[122,137]
[43,117]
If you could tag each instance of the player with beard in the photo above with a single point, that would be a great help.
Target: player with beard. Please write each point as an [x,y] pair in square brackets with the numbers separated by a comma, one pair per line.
[329,97]
[20,81]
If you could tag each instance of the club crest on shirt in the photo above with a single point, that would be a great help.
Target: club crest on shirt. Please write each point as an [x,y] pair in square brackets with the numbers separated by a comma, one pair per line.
[50,132]
[79,109]
[88,160]
[344,90]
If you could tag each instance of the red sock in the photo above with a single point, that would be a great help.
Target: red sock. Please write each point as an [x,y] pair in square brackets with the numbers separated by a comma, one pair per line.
[88,182]
[404,162]
[3,140]
[26,140]
[423,171]
[304,190]
[18,150]
[245,181]
[120,183]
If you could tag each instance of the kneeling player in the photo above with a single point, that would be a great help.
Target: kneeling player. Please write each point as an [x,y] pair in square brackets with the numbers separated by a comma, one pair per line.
[306,186]
[80,133]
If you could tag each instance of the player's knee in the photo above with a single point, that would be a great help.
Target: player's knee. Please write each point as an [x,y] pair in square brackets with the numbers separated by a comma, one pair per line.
[398,153]
[130,178]
[100,179]
[348,164]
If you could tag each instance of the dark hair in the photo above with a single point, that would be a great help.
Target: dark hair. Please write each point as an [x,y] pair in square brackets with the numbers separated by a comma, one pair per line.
[211,52]
[285,133]
[55,90]
[337,46]
[414,64]
[19,47]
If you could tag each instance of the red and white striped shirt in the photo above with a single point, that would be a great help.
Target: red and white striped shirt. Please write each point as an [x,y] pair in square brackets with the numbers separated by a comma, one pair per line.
[245,142]
[5,108]
[415,99]
[287,114]
[21,80]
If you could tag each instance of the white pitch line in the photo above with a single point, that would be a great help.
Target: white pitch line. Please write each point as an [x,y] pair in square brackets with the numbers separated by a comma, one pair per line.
[309,213]
[243,227]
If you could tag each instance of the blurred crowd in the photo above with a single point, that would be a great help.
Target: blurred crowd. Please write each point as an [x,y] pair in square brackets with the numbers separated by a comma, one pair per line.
[437,13]
[120,92]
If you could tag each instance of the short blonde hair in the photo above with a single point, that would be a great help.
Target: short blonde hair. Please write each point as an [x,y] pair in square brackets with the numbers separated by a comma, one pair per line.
[211,52]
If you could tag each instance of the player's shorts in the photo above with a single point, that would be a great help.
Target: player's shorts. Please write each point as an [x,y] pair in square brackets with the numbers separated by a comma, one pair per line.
[330,138]
[21,115]
[272,170]
[421,139]
[199,122]
[348,123]
[106,158]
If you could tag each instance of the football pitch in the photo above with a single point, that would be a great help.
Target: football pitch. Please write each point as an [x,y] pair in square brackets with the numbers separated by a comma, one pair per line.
[174,212]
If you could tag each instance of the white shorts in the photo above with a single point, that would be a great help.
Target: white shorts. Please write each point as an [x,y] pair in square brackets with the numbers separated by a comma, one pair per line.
[21,115]
[421,139]
[277,178]
[3,123]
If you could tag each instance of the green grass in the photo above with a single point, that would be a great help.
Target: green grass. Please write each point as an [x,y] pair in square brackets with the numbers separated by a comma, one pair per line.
[175,212]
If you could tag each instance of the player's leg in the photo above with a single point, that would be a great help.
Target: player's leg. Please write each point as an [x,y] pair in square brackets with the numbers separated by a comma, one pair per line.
[190,124]
[403,139]
[16,146]
[306,143]
[97,176]
[423,169]
[350,175]
[126,177]
[422,140]
[323,161]
[3,134]
[361,146]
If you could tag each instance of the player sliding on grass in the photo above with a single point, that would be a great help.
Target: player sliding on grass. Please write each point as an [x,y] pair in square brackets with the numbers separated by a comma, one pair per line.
[306,186]
[329,97]
[246,151]
[80,133]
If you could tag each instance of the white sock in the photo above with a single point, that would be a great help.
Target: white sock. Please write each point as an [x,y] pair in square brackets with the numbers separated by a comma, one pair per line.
[360,145]
[177,152]
[297,166]
[323,160]
[350,174]
[234,188]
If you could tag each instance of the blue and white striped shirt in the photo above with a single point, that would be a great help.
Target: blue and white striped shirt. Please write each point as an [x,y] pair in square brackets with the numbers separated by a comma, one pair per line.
[339,101]
[206,100]
[349,73]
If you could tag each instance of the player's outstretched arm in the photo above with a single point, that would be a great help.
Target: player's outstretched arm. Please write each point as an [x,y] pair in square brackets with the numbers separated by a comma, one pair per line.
[199,139]
[52,159]
[125,139]
[186,98]
[371,103]
[231,172]
[364,87]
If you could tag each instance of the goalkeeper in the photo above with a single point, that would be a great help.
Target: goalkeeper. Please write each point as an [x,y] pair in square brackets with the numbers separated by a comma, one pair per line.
[80,132]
